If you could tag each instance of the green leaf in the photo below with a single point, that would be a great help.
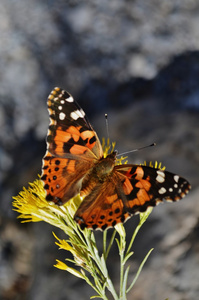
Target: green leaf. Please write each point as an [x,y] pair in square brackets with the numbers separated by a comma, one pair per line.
[125,282]
[118,244]
[103,264]
[139,270]
[143,218]
[127,257]
[110,244]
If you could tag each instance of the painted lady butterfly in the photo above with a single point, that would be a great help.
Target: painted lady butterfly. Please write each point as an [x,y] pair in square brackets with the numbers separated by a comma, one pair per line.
[74,163]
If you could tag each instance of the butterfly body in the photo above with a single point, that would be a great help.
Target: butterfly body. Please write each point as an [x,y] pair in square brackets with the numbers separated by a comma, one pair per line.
[74,163]
[101,171]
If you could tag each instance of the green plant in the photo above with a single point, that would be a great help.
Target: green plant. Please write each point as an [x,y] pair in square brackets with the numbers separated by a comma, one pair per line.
[32,206]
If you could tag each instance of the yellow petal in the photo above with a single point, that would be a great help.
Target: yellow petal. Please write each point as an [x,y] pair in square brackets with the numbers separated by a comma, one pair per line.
[62,266]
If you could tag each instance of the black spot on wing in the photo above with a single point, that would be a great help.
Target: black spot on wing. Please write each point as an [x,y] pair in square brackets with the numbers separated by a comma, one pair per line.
[92,140]
[46,186]
[44,177]
[49,197]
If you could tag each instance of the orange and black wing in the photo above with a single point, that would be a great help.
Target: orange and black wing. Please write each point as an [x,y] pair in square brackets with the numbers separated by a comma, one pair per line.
[72,148]
[145,186]
[104,206]
[131,189]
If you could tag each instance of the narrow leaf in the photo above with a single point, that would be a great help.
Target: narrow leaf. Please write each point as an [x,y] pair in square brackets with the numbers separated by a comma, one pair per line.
[139,270]
[110,244]
[127,257]
[125,282]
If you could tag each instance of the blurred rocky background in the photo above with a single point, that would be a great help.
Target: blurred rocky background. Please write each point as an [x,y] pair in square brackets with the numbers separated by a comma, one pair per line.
[136,60]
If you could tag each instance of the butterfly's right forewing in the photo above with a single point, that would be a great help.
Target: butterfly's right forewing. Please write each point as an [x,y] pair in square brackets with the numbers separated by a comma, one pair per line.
[72,148]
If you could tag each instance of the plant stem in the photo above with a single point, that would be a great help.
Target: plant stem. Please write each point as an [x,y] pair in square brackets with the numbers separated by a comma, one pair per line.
[143,218]
[110,244]
[96,258]
[122,247]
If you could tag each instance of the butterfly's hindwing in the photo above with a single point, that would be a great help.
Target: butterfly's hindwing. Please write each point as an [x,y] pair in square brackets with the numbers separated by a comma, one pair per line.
[103,207]
[61,181]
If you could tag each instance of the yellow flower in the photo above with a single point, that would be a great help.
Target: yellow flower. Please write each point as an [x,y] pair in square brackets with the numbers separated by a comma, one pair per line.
[63,244]
[33,207]
[156,165]
[62,266]
[78,250]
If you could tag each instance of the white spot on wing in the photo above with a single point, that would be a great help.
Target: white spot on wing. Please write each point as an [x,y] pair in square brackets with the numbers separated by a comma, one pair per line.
[82,113]
[160,177]
[60,107]
[162,190]
[77,114]
[74,116]
[62,116]
[70,99]
[176,178]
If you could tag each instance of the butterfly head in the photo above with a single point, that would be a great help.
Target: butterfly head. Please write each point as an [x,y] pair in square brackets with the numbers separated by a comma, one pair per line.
[113,155]
[105,166]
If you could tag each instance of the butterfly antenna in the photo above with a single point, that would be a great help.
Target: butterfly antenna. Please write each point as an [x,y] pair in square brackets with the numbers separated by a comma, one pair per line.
[138,149]
[107,128]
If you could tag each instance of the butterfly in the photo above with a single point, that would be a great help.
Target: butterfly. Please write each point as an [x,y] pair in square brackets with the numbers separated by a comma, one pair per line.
[74,163]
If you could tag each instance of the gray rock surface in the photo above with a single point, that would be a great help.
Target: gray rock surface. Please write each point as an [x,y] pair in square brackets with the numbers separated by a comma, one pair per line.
[136,60]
